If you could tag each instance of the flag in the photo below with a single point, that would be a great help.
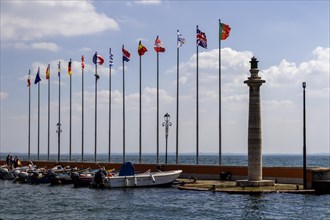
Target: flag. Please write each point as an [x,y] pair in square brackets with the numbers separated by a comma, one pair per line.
[159,47]
[59,69]
[37,79]
[110,58]
[126,55]
[142,49]
[28,82]
[201,39]
[69,68]
[224,31]
[82,62]
[98,59]
[47,72]
[181,40]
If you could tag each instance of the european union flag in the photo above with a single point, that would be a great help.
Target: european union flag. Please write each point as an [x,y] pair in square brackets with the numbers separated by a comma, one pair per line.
[37,79]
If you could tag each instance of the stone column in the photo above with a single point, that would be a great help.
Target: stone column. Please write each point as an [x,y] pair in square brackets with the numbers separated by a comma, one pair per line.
[254,131]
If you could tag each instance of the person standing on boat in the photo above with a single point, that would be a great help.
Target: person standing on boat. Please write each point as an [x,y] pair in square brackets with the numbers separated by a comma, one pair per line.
[8,160]
[15,161]
[11,161]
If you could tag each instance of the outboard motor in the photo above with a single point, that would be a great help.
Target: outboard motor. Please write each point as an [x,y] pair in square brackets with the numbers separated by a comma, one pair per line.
[75,178]
[51,176]
[98,178]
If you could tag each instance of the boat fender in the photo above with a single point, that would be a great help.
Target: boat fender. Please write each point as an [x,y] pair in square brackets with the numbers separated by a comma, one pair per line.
[153,178]
[135,181]
[126,181]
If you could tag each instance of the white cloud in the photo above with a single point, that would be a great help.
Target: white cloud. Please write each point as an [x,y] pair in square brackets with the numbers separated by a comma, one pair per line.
[3,95]
[45,46]
[32,20]
[315,70]
[40,45]
[148,2]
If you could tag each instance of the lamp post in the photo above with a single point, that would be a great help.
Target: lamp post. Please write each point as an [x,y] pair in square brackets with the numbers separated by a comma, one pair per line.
[58,131]
[166,123]
[304,135]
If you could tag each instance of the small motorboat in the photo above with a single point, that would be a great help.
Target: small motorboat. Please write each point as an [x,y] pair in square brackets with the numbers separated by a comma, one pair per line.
[128,178]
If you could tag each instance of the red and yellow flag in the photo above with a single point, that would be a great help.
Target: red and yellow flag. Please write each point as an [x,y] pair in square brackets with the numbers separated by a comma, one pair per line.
[141,49]
[69,68]
[48,72]
[224,31]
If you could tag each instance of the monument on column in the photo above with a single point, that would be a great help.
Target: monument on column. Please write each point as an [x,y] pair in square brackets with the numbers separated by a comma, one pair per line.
[254,131]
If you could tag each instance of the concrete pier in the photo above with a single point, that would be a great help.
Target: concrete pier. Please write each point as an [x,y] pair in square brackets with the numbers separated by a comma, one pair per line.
[254,130]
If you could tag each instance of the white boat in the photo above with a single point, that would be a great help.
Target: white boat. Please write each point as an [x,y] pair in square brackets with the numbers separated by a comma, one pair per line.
[128,178]
[143,179]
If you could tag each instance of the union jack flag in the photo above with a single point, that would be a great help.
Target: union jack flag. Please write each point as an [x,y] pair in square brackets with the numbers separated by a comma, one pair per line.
[201,39]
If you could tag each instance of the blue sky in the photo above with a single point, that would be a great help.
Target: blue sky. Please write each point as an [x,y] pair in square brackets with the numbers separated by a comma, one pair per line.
[289,38]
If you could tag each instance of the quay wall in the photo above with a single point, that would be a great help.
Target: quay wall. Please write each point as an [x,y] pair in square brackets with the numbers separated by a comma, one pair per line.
[292,175]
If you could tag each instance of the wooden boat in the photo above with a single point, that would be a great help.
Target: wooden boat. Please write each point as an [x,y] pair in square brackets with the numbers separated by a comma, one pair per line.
[128,178]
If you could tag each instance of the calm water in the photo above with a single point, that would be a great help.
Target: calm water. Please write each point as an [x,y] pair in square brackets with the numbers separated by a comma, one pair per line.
[227,160]
[23,201]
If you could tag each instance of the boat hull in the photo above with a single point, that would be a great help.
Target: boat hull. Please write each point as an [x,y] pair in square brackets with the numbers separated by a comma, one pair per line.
[142,180]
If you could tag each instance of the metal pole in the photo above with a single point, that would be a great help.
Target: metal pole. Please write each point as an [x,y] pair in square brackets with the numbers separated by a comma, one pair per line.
[109,156]
[123,110]
[70,132]
[140,114]
[59,112]
[220,138]
[82,113]
[95,146]
[38,117]
[48,114]
[304,136]
[177,107]
[29,131]
[197,107]
[157,107]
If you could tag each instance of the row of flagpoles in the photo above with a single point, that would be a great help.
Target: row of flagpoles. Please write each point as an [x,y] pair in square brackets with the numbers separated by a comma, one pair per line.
[201,41]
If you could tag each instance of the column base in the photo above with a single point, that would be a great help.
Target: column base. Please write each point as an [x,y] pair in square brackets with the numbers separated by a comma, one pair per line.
[255,183]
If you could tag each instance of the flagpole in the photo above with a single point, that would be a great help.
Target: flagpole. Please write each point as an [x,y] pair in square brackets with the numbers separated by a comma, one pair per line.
[123,110]
[82,113]
[59,113]
[95,146]
[109,157]
[70,132]
[157,107]
[48,112]
[38,115]
[29,131]
[140,112]
[220,124]
[177,105]
[197,106]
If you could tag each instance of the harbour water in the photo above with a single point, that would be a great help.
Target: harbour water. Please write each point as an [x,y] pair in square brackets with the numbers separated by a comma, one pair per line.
[24,201]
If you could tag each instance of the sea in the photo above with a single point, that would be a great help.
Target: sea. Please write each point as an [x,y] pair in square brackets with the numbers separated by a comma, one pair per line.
[24,201]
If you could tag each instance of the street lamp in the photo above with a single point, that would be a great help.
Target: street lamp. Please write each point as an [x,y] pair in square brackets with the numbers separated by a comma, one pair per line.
[58,131]
[166,123]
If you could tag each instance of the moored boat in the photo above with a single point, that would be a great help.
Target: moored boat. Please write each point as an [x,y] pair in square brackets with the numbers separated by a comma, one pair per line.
[128,178]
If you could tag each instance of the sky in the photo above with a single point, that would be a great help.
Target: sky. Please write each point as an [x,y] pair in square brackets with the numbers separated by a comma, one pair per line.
[289,38]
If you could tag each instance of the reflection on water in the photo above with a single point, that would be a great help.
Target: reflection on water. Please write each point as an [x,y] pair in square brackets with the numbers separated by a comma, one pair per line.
[66,202]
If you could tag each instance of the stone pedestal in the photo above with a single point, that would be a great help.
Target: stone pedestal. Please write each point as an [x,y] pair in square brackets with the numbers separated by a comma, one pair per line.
[254,131]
